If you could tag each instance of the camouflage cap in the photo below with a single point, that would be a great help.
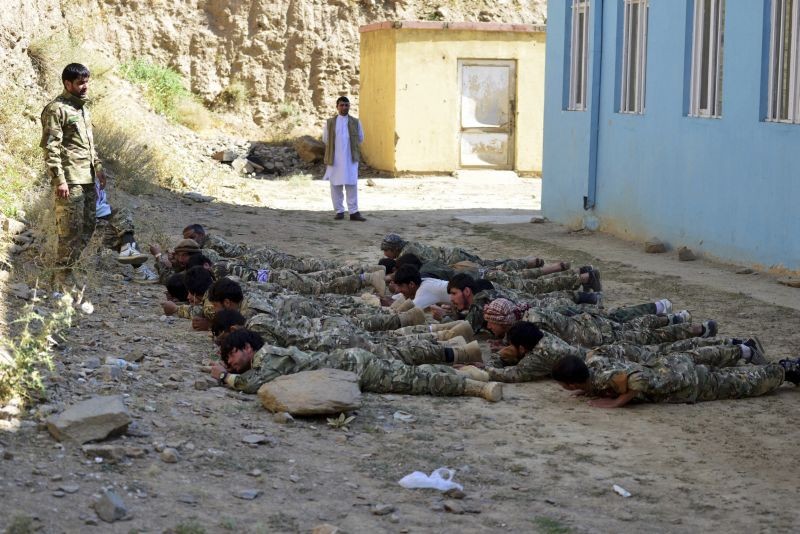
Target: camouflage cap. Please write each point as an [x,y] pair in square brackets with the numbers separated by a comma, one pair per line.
[392,242]
[187,245]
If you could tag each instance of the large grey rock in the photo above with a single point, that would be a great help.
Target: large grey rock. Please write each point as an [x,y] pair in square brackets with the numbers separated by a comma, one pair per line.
[324,391]
[110,507]
[90,420]
[309,149]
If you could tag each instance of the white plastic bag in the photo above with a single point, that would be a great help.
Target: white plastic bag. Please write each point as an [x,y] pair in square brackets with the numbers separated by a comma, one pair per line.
[441,479]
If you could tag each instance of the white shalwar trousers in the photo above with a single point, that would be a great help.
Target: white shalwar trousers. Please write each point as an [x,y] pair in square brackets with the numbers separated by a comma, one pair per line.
[337,196]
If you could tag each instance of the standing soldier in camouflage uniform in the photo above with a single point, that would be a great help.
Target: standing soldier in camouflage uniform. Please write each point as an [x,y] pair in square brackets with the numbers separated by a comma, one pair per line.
[249,364]
[73,166]
[677,378]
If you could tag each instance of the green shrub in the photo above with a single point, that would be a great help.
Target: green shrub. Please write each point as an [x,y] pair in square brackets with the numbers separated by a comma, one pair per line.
[165,90]
[232,98]
[20,368]
[163,86]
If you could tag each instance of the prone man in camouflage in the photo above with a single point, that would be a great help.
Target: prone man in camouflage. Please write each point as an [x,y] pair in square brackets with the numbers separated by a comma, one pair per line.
[248,364]
[466,298]
[251,258]
[532,353]
[677,378]
[393,246]
[72,165]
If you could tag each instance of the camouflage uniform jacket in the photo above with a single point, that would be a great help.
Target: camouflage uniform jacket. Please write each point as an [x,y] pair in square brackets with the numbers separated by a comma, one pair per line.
[271,362]
[445,255]
[68,142]
[204,309]
[222,247]
[674,378]
[536,364]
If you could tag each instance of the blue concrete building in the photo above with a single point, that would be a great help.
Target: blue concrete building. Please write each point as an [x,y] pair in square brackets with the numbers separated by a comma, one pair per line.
[678,119]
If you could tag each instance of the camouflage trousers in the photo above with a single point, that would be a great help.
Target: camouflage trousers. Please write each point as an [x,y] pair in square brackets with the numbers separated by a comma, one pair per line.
[113,226]
[645,313]
[280,260]
[592,331]
[295,281]
[565,281]
[711,355]
[687,381]
[378,321]
[75,222]
[379,375]
[332,333]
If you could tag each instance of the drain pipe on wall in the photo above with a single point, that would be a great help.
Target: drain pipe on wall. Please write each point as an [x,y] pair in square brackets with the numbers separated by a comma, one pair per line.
[590,221]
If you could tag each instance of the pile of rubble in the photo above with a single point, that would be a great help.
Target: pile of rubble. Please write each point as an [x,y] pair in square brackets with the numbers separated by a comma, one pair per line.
[268,161]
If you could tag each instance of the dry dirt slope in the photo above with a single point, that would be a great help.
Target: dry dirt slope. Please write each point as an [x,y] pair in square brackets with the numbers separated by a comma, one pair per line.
[291,55]
[537,462]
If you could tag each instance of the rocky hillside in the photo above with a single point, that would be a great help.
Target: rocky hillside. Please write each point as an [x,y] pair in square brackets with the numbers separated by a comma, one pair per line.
[292,56]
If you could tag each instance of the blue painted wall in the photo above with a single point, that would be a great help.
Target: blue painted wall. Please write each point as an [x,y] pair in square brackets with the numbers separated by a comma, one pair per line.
[728,187]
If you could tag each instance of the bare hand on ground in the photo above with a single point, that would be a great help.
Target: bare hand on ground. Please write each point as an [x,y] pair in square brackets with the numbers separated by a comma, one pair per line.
[169,307]
[201,323]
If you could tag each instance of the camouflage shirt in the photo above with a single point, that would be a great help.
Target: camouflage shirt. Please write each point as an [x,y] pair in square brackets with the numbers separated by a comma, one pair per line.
[222,247]
[271,362]
[673,378]
[69,151]
[537,363]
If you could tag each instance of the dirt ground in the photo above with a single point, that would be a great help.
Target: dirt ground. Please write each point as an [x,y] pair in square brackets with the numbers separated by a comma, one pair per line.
[539,461]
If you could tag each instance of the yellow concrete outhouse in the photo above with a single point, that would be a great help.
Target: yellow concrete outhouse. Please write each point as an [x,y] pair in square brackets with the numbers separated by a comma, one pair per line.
[441,96]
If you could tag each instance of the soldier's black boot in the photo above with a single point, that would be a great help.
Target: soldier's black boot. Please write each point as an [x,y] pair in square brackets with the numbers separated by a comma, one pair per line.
[792,369]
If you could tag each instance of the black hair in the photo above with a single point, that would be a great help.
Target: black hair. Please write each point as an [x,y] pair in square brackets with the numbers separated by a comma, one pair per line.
[225,288]
[570,370]
[524,334]
[224,319]
[176,287]
[197,260]
[196,228]
[409,259]
[389,264]
[342,99]
[407,274]
[198,280]
[461,281]
[237,339]
[483,285]
[74,71]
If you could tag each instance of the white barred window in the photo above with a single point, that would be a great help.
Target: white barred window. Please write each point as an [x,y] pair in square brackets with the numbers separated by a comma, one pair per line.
[707,43]
[784,62]
[634,56]
[578,60]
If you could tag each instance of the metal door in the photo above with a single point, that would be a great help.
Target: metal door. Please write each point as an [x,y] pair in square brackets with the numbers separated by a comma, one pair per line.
[486,135]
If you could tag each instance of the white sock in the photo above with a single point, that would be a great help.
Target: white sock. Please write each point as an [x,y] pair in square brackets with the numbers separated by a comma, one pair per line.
[747,352]
[660,308]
